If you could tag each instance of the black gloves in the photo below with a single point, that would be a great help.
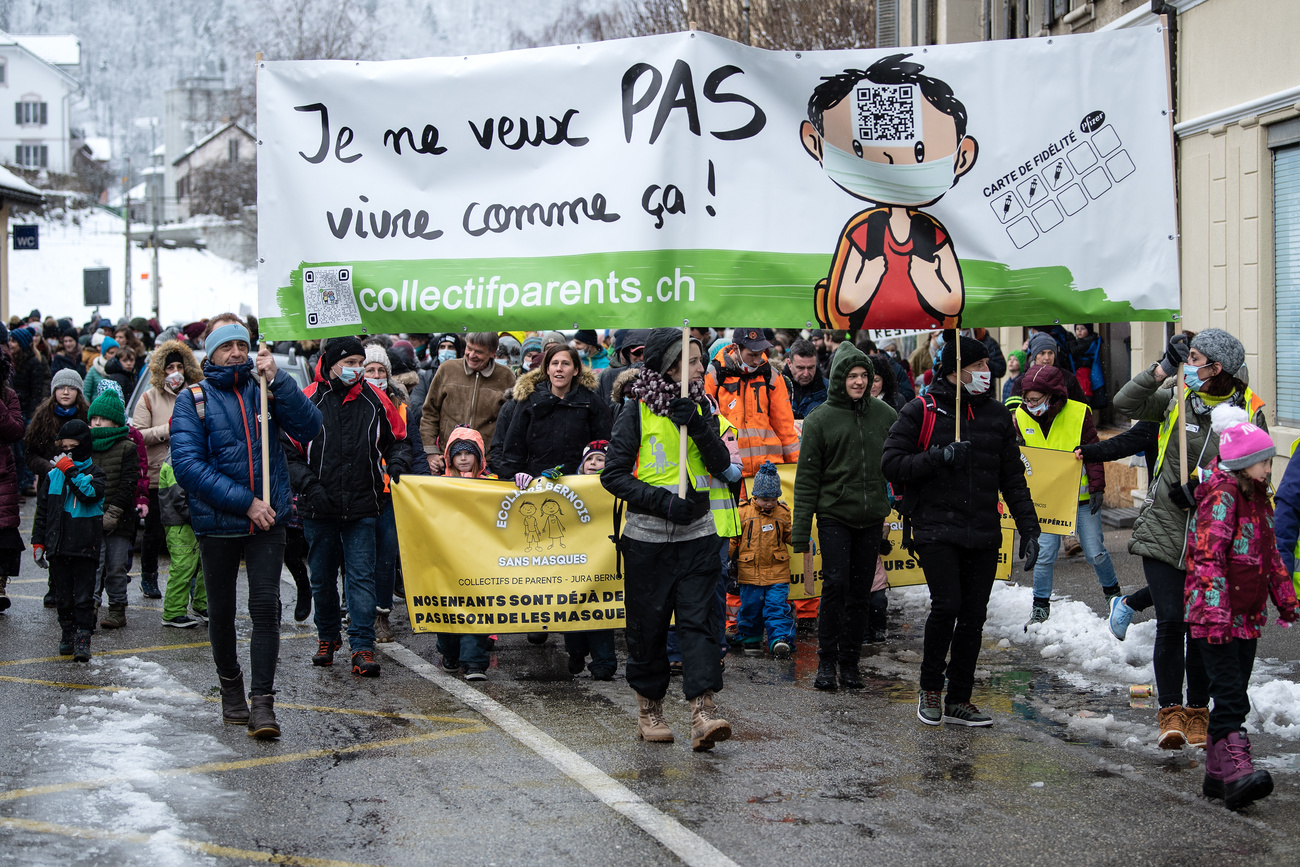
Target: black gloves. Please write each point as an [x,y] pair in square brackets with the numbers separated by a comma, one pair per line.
[1175,354]
[681,511]
[1184,496]
[886,546]
[1029,550]
[954,455]
[1094,501]
[394,474]
[684,411]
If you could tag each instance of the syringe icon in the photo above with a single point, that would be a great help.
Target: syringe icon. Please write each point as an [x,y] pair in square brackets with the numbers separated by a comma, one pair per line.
[1006,205]
[1060,167]
[1033,187]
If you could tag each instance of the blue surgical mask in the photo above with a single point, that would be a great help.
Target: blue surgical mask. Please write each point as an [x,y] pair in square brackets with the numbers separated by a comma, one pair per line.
[350,374]
[446,354]
[1038,410]
[903,184]
[381,384]
[1192,376]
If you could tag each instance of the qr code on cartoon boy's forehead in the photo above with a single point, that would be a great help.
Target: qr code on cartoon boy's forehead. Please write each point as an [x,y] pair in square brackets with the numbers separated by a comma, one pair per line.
[328,298]
[886,114]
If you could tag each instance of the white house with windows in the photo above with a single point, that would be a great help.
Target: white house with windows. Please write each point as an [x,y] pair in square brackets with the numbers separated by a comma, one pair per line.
[37,74]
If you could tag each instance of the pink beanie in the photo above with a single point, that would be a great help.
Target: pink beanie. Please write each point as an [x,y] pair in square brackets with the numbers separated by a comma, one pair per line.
[1241,444]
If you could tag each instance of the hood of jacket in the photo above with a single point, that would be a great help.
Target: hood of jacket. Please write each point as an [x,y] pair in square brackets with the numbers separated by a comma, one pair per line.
[157,366]
[533,379]
[621,383]
[465,433]
[729,358]
[1049,380]
[846,358]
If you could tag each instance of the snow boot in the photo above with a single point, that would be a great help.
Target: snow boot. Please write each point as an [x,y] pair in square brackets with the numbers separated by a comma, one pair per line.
[1237,782]
[67,637]
[149,586]
[116,616]
[650,723]
[707,728]
[302,609]
[81,646]
[234,707]
[850,675]
[4,598]
[825,674]
[261,718]
[1173,727]
[1198,726]
[1042,611]
[383,629]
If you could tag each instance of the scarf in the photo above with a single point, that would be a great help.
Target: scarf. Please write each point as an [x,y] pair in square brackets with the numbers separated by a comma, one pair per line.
[65,411]
[657,392]
[104,438]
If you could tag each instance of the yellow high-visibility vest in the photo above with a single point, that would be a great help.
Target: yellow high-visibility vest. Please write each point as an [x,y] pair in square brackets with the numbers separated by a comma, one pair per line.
[1065,435]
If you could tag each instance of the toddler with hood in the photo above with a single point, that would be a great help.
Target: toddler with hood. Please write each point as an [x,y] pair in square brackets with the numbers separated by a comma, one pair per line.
[464,460]
[762,558]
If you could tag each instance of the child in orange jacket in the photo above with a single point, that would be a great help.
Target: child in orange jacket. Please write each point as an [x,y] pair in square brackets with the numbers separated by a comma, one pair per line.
[762,558]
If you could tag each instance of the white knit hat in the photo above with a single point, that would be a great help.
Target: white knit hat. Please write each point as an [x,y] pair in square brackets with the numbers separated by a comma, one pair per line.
[375,352]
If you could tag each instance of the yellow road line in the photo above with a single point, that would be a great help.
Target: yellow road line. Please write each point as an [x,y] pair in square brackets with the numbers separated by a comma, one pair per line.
[154,649]
[195,845]
[242,764]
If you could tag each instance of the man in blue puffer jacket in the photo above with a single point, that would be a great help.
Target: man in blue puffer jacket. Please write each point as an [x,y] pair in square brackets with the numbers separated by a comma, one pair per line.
[216,452]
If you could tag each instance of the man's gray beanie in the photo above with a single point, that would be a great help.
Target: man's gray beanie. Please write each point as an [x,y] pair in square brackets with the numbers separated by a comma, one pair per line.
[1218,345]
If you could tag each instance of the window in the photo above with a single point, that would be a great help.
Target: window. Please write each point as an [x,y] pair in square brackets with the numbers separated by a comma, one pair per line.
[32,156]
[232,150]
[1286,269]
[31,112]
[181,185]
[3,78]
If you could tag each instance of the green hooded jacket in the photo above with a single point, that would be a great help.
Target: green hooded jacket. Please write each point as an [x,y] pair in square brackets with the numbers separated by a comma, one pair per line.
[839,473]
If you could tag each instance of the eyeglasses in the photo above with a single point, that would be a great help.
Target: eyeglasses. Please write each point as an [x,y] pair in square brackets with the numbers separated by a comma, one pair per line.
[1038,401]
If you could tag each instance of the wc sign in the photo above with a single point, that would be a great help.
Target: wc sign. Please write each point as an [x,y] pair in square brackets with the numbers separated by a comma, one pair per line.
[27,237]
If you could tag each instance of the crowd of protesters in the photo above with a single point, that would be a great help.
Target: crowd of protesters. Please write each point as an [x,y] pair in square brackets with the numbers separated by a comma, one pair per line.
[137,440]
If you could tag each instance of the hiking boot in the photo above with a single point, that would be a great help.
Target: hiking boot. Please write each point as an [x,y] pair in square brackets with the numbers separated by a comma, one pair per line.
[81,646]
[149,586]
[782,648]
[602,672]
[1042,611]
[963,713]
[751,646]
[183,622]
[1198,726]
[650,723]
[850,676]
[1120,616]
[825,675]
[1212,786]
[116,616]
[476,674]
[929,707]
[261,718]
[538,637]
[1173,727]
[383,631]
[234,707]
[364,665]
[1071,546]
[325,651]
[67,635]
[1242,784]
[576,664]
[4,599]
[707,727]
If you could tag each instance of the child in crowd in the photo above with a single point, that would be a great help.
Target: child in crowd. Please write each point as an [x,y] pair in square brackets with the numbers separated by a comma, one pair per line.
[763,568]
[1233,567]
[185,576]
[598,643]
[463,458]
[69,525]
[114,453]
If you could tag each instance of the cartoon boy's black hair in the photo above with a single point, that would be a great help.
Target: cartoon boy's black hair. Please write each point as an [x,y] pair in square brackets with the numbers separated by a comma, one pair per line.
[887,70]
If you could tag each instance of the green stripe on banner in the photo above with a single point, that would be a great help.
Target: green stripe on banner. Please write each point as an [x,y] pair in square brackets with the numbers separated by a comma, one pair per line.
[643,289]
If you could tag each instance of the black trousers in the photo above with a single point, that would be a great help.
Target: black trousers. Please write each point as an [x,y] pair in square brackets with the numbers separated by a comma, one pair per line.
[1228,667]
[155,538]
[1175,652]
[73,581]
[848,568]
[960,580]
[663,579]
[263,554]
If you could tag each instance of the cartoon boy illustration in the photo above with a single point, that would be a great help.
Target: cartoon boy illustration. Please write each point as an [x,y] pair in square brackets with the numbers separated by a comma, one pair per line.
[554,529]
[896,138]
[532,532]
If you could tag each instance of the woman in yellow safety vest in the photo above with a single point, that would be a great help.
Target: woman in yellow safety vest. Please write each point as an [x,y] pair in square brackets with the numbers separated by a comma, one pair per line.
[1210,365]
[669,544]
[1047,419]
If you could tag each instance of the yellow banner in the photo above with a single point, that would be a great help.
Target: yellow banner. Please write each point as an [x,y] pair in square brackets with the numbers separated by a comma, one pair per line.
[1053,478]
[481,556]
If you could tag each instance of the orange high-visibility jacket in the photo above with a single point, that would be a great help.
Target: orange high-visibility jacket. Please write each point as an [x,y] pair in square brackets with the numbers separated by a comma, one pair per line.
[758,404]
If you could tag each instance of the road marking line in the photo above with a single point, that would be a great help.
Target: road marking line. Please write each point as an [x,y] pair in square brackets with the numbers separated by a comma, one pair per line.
[677,838]
[195,845]
[241,764]
[154,649]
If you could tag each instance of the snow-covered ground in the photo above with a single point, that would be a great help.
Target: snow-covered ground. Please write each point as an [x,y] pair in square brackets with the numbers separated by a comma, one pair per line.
[195,283]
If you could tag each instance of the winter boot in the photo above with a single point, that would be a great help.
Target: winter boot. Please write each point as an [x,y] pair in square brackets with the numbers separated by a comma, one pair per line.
[1242,784]
[825,674]
[234,707]
[782,648]
[751,646]
[650,723]
[149,585]
[1042,611]
[1173,727]
[1212,787]
[302,609]
[383,630]
[116,616]
[1071,546]
[364,665]
[1198,726]
[81,646]
[4,599]
[325,651]
[850,675]
[67,636]
[261,718]
[707,728]
[49,601]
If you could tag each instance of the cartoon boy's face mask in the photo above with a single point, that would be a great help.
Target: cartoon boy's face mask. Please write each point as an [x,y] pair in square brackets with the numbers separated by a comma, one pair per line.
[901,184]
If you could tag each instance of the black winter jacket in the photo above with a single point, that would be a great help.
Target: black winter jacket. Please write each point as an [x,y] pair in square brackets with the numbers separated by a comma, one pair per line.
[121,465]
[31,379]
[340,473]
[959,506]
[71,523]
[114,370]
[547,432]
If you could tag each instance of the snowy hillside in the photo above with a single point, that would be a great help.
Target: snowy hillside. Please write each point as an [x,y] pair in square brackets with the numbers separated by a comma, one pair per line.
[195,283]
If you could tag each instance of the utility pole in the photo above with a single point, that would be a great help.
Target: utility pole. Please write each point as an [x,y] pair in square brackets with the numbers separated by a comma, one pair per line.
[155,204]
[126,212]
[744,7]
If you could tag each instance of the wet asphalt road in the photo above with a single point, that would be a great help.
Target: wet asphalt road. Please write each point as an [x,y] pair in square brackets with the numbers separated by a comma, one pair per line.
[124,760]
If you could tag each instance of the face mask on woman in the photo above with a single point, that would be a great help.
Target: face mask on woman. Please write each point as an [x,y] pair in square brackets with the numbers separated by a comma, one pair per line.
[446,354]
[174,381]
[1038,410]
[381,384]
[1192,376]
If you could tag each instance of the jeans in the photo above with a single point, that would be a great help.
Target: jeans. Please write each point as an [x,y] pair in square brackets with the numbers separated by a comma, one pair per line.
[1088,528]
[1228,667]
[385,557]
[263,554]
[470,651]
[1171,660]
[331,542]
[765,607]
[599,643]
[960,580]
[73,581]
[113,557]
[154,537]
[848,568]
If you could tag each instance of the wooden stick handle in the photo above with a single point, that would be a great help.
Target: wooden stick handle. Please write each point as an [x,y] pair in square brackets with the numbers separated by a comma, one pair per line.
[266,443]
[685,367]
[956,336]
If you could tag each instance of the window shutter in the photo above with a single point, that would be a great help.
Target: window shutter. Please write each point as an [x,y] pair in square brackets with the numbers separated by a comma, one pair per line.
[1286,257]
[886,23]
[45,155]
[18,155]
[45,113]
[18,113]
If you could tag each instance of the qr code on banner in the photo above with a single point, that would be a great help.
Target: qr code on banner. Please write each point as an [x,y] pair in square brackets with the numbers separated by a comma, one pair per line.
[887,113]
[328,298]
